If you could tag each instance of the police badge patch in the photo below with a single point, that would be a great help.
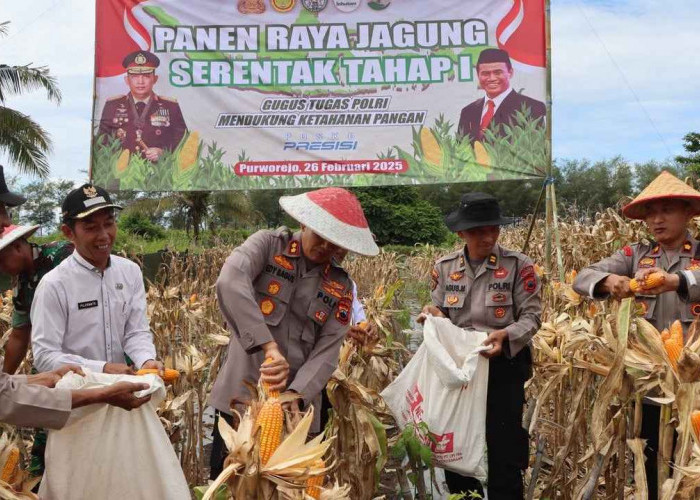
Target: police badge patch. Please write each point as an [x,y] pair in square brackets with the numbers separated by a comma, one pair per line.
[267,306]
[274,287]
[499,312]
[342,313]
[314,5]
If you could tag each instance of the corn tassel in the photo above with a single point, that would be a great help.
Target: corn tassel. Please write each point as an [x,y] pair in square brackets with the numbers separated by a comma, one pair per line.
[432,152]
[270,420]
[188,154]
[123,161]
[651,281]
[695,420]
[9,470]
[314,483]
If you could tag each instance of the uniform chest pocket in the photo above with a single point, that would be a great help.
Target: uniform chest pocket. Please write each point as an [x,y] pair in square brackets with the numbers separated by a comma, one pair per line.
[499,308]
[647,304]
[272,309]
[317,315]
[279,287]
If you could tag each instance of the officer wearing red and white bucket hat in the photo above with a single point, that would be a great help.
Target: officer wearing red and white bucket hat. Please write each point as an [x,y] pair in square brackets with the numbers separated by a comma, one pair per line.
[284,298]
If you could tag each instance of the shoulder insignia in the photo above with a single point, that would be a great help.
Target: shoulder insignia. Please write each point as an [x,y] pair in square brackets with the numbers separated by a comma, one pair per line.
[493,259]
[656,249]
[293,248]
[687,247]
[527,272]
[530,284]
[627,250]
[342,312]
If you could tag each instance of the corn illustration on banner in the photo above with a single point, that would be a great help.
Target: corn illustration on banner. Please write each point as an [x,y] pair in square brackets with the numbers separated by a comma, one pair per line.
[270,94]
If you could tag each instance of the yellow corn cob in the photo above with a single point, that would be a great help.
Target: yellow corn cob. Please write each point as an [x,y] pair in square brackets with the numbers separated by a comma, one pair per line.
[270,420]
[665,335]
[430,146]
[314,483]
[123,161]
[695,420]
[169,375]
[188,154]
[481,155]
[673,347]
[677,330]
[651,281]
[11,466]
[266,386]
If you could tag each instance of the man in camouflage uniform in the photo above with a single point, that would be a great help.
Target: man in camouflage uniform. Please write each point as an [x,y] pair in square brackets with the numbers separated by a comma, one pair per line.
[284,299]
[145,123]
[667,205]
[488,288]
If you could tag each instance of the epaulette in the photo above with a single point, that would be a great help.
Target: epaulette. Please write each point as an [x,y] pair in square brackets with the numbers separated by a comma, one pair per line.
[169,99]
[116,98]
[283,232]
[449,256]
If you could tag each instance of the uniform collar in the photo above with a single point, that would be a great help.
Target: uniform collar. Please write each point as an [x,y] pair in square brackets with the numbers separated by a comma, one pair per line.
[84,263]
[655,249]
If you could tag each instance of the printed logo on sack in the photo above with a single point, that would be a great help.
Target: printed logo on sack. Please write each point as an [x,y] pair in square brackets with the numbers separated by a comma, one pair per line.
[320,145]
[346,5]
[415,399]
[444,443]
[314,5]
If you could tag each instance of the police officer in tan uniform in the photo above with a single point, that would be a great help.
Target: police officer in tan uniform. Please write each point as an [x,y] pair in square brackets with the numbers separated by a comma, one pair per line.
[145,123]
[284,298]
[488,288]
[666,206]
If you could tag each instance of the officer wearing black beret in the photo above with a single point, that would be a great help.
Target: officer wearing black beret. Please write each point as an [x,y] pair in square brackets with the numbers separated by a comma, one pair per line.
[146,123]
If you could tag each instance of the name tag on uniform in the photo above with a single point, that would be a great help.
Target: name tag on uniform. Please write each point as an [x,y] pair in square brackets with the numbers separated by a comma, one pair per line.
[87,305]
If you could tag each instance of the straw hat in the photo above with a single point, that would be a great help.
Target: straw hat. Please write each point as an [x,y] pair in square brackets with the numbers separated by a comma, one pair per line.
[665,187]
[335,215]
[13,233]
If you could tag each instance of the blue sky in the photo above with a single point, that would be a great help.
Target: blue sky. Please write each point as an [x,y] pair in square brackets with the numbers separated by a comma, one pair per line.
[625,76]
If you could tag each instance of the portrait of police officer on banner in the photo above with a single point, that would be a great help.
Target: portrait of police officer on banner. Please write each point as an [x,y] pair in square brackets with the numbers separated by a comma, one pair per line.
[146,123]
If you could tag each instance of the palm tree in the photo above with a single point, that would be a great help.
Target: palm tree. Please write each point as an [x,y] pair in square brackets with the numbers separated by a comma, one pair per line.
[24,141]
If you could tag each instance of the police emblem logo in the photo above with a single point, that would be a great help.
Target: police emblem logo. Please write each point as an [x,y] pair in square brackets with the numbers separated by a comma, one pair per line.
[500,273]
[283,5]
[274,287]
[647,262]
[140,59]
[499,312]
[321,316]
[695,309]
[282,261]
[342,313]
[267,306]
[90,191]
[530,285]
[314,5]
[456,276]
[452,299]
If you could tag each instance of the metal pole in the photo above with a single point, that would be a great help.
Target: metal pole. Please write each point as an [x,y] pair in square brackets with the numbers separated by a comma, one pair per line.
[534,216]
[548,210]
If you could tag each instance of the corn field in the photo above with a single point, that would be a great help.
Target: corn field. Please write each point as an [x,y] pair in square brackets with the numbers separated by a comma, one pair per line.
[594,364]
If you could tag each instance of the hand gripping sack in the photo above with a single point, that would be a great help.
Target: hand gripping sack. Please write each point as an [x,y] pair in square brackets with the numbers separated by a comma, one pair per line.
[108,453]
[445,385]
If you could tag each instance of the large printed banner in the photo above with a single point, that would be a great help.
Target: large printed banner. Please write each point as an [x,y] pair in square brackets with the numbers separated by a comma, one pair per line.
[269,94]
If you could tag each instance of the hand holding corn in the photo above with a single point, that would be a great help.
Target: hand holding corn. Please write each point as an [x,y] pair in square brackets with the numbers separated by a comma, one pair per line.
[616,285]
[654,281]
[275,371]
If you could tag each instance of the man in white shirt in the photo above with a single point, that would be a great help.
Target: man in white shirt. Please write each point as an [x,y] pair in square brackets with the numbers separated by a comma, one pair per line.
[494,72]
[91,309]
